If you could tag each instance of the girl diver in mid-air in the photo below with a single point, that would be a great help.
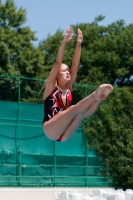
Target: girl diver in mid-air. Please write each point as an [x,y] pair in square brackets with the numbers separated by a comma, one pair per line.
[61,119]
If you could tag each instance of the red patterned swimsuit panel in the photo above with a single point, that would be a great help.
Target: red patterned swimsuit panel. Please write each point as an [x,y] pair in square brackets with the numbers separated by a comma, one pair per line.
[53,104]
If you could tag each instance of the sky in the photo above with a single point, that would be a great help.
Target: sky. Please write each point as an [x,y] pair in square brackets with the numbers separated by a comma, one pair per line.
[46,16]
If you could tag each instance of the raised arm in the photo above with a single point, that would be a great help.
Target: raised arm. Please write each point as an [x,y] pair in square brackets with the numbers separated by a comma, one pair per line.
[76,58]
[51,80]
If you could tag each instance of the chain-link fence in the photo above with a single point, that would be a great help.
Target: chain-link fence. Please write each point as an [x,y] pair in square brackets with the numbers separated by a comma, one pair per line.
[27,156]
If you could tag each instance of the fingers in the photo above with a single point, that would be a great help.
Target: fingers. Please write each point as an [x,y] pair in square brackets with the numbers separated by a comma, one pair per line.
[79,31]
[68,35]
[80,36]
[69,30]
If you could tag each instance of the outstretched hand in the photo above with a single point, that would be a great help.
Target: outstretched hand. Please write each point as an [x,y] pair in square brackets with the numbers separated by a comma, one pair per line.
[68,35]
[80,37]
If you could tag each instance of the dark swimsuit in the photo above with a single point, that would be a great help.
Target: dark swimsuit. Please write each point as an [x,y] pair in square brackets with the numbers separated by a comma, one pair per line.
[53,104]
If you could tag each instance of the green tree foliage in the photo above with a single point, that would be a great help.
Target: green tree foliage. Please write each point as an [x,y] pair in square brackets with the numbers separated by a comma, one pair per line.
[4,56]
[107,54]
[19,57]
[50,48]
[25,59]
[110,132]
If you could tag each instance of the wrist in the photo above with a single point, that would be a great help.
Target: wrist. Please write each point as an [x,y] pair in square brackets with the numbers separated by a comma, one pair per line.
[64,41]
[79,43]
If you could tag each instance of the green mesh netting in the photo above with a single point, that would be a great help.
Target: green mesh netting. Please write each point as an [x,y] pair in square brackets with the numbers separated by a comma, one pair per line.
[27,156]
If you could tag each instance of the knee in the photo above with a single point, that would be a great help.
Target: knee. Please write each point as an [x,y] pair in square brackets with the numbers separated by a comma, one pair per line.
[71,108]
[80,117]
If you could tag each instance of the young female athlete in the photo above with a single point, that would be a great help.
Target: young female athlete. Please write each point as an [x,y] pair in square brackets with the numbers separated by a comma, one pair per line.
[61,119]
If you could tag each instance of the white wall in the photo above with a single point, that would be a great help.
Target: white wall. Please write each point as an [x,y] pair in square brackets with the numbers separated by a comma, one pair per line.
[35,193]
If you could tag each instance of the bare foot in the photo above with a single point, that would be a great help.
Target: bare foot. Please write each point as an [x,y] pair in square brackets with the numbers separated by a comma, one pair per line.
[103,91]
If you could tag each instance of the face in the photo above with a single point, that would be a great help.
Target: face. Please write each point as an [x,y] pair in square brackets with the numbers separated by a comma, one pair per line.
[64,73]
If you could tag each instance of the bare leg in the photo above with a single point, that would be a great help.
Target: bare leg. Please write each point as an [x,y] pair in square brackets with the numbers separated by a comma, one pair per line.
[56,126]
[74,125]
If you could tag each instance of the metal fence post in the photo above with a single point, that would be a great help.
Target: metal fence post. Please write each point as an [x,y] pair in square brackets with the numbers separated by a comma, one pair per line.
[19,129]
[86,152]
[54,148]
